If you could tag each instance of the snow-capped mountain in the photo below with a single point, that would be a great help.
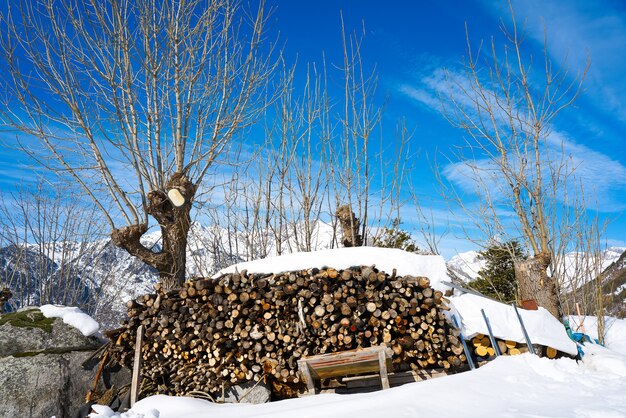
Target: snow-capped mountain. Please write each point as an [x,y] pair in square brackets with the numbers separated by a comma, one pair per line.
[466,266]
[102,277]
[614,287]
[574,268]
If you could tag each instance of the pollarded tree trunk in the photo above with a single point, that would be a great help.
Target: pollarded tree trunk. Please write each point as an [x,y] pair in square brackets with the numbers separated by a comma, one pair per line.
[350,227]
[174,219]
[535,284]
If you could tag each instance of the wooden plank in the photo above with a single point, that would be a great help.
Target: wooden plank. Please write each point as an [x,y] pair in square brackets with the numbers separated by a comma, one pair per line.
[136,379]
[382,364]
[395,379]
[348,362]
[346,369]
[304,369]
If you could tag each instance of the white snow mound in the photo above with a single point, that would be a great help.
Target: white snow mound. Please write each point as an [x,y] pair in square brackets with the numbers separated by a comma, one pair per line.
[541,326]
[385,259]
[604,360]
[72,316]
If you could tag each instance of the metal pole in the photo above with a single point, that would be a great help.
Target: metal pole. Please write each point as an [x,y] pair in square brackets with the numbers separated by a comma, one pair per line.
[493,340]
[531,349]
[467,352]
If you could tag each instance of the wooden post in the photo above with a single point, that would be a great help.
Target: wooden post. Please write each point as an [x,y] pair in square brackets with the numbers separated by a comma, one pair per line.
[382,363]
[136,380]
[581,325]
[304,368]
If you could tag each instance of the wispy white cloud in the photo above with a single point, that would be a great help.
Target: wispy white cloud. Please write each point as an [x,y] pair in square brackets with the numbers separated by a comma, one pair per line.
[602,177]
[577,30]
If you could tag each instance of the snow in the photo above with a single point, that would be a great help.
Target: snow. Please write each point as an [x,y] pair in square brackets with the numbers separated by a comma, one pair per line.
[385,259]
[541,326]
[512,386]
[72,316]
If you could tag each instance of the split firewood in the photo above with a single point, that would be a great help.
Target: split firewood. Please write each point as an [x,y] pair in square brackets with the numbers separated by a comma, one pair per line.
[242,327]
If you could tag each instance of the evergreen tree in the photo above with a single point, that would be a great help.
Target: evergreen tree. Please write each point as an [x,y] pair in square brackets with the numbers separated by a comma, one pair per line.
[497,279]
[394,237]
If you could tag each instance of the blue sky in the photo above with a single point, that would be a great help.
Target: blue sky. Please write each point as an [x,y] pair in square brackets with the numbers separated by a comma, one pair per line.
[411,42]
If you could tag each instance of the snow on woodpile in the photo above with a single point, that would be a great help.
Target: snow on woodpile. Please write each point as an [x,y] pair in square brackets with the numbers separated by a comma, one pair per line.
[72,316]
[542,327]
[385,259]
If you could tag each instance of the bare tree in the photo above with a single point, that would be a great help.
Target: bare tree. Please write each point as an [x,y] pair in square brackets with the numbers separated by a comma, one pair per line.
[47,237]
[514,158]
[134,101]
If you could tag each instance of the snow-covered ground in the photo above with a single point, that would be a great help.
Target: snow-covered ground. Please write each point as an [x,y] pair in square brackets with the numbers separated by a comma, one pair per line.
[514,386]
[614,334]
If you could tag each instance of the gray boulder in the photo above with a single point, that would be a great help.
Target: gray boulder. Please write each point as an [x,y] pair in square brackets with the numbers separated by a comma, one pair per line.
[251,392]
[41,373]
[43,385]
[28,331]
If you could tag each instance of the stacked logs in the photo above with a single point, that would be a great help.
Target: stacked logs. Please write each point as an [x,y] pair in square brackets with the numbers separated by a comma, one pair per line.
[212,334]
[483,350]
[482,347]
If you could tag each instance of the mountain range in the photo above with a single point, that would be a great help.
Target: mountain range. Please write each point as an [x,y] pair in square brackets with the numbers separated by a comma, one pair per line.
[101,277]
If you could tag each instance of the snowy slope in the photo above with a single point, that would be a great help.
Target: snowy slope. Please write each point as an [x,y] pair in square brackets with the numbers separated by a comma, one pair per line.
[466,265]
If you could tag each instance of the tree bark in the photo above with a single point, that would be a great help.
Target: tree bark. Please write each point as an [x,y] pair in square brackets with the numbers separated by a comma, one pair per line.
[349,226]
[174,221]
[534,283]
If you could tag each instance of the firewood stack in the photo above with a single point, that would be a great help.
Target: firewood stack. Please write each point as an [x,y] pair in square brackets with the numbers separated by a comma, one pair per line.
[212,334]
[482,349]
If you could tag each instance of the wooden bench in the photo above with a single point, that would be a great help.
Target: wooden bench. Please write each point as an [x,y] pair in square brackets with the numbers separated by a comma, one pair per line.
[346,363]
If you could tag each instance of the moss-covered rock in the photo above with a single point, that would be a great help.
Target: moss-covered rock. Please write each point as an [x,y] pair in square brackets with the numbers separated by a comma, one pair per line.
[28,318]
[28,331]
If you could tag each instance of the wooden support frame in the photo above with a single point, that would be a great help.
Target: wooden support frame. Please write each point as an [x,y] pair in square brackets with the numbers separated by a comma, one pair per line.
[345,363]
